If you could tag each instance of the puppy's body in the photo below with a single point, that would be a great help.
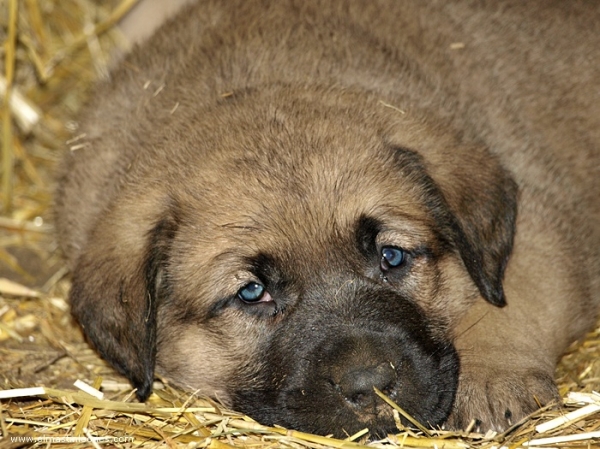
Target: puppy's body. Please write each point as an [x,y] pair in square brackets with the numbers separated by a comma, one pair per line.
[290,144]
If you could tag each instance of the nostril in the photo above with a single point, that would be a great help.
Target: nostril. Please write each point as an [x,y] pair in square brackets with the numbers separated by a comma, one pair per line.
[359,399]
[388,390]
[357,385]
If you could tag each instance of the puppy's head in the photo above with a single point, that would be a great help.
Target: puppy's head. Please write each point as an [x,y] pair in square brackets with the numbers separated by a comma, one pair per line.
[287,259]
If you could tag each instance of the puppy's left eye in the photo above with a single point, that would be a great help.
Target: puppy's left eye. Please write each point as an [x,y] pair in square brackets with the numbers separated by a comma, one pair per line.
[391,257]
[254,292]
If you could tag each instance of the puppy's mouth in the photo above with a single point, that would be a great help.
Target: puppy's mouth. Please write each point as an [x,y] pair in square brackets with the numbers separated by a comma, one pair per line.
[322,376]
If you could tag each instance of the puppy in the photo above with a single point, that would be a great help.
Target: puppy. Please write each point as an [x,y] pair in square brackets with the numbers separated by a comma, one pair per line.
[284,204]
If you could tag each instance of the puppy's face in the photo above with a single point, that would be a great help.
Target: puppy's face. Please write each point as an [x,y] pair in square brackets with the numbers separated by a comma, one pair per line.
[289,259]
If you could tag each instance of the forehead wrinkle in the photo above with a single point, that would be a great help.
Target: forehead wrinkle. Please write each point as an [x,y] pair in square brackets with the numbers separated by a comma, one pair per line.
[243,225]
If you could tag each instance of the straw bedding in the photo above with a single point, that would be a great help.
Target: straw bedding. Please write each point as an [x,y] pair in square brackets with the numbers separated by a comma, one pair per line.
[53,51]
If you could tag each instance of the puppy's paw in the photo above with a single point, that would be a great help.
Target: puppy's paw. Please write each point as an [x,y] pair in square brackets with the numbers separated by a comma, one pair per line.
[495,399]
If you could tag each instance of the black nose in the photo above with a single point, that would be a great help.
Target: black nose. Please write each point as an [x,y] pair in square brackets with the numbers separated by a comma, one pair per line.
[356,386]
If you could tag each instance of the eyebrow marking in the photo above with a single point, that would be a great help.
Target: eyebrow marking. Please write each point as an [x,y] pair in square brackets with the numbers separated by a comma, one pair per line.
[366,231]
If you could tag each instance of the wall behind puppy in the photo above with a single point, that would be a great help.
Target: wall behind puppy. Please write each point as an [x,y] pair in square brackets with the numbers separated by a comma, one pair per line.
[146,16]
[58,49]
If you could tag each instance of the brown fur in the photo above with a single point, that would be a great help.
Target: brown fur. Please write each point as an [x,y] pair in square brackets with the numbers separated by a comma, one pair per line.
[284,142]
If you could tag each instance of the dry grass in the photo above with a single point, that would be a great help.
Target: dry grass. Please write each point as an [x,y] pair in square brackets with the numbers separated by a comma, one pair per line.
[53,50]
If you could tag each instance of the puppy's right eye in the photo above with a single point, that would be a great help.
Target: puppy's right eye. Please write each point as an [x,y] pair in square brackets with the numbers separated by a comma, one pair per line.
[254,292]
[391,257]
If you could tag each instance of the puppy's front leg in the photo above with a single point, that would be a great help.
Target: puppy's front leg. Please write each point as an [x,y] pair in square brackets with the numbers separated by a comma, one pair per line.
[508,355]
[507,370]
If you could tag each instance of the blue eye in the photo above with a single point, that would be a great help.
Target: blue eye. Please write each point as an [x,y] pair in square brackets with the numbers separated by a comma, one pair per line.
[252,292]
[391,257]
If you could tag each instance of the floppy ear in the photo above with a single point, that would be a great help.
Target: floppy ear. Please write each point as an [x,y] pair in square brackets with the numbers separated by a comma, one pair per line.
[476,198]
[114,291]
